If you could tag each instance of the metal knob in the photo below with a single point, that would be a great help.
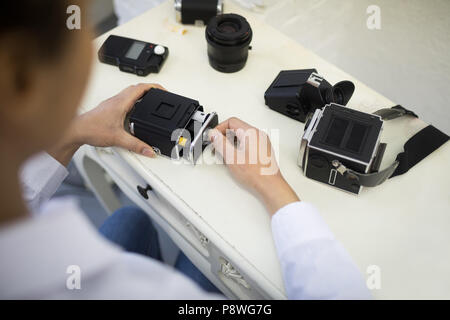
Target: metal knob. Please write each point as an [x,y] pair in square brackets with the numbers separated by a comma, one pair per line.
[143,191]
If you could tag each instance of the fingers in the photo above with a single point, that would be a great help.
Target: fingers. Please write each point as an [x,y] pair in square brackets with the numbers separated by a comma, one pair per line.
[141,88]
[233,123]
[134,92]
[238,127]
[222,145]
[138,90]
[127,141]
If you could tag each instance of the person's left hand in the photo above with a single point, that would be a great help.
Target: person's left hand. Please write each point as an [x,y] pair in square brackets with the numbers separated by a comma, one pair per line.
[104,126]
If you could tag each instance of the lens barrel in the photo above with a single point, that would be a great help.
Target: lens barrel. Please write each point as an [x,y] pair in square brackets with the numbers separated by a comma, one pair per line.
[228,39]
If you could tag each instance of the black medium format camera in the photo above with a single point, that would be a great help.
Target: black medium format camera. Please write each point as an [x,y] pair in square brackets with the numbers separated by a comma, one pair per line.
[197,11]
[339,141]
[295,93]
[175,126]
[341,147]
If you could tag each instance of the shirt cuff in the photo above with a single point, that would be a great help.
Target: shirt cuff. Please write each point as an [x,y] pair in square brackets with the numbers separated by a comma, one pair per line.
[298,223]
[41,176]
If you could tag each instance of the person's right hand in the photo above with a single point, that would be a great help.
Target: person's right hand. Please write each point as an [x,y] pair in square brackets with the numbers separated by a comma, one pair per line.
[252,162]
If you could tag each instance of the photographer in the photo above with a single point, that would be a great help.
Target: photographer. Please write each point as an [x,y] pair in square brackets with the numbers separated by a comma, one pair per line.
[44,73]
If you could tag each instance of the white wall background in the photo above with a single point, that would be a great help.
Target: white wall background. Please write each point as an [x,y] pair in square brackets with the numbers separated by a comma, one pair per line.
[407,60]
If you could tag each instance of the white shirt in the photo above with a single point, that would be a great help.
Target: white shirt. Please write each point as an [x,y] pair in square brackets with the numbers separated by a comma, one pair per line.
[36,252]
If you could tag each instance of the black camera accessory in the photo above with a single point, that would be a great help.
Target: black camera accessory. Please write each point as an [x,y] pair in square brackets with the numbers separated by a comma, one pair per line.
[341,147]
[175,126]
[228,37]
[133,56]
[295,93]
[197,11]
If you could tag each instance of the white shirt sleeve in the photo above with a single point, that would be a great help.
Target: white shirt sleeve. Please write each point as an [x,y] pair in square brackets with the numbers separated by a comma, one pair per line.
[41,176]
[314,264]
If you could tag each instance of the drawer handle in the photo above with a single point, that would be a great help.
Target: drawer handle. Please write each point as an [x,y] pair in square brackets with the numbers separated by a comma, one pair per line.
[230,272]
[143,191]
[200,236]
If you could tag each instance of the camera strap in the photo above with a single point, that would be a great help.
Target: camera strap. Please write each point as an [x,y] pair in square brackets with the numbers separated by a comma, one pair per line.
[417,148]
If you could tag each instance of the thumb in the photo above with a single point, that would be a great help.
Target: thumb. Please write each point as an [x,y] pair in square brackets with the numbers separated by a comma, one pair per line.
[127,141]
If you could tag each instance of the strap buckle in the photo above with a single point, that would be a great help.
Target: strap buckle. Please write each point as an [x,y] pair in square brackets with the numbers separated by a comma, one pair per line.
[365,179]
[394,112]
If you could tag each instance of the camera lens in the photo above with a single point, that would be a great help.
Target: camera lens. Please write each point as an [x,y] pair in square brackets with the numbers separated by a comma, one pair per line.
[228,37]
[228,27]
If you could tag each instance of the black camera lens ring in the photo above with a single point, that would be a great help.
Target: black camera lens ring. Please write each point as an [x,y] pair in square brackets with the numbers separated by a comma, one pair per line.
[215,33]
[228,39]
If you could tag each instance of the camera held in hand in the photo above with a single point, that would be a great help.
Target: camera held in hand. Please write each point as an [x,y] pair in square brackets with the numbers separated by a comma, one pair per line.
[175,126]
[295,93]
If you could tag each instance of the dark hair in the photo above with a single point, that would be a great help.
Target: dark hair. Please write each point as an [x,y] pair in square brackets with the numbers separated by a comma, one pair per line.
[43,22]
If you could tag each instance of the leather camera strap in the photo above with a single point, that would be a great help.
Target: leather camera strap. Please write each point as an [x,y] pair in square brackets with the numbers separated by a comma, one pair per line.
[417,148]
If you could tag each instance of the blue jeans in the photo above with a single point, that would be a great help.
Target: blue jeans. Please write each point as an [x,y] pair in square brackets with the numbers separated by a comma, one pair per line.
[132,229]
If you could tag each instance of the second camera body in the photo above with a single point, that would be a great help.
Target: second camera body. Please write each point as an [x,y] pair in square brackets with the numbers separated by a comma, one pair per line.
[295,93]
[339,145]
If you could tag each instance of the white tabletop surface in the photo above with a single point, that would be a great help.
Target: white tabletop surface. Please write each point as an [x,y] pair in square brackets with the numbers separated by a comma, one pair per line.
[402,226]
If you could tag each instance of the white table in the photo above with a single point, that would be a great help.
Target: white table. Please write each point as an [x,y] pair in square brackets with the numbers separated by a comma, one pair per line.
[402,226]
